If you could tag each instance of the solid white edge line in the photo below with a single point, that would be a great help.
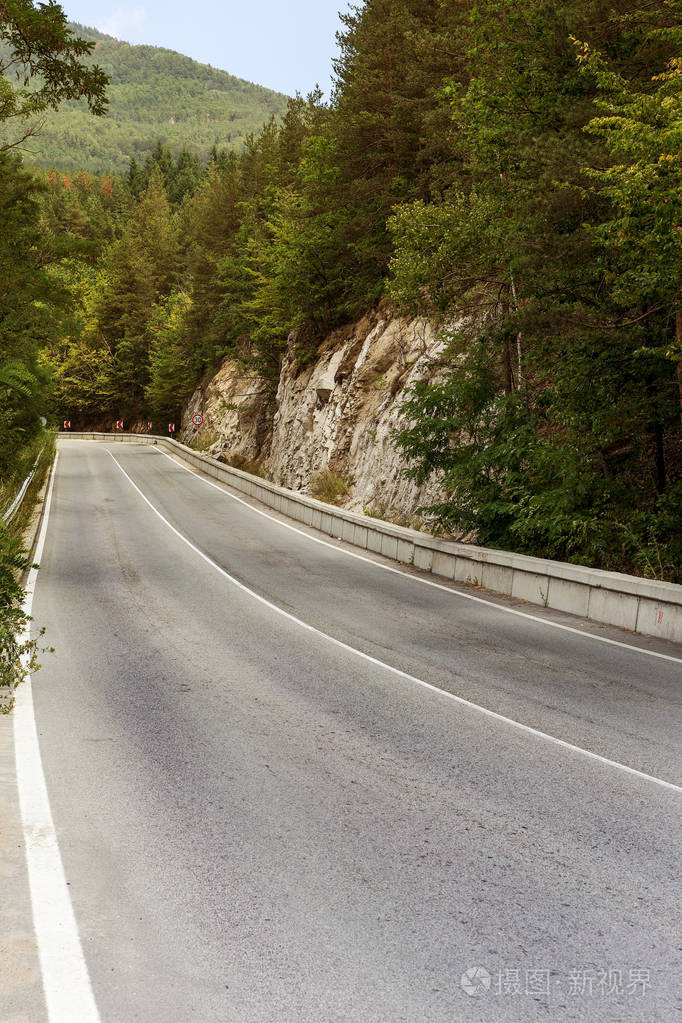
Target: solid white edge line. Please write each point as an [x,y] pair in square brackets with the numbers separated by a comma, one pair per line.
[388,667]
[66,982]
[419,579]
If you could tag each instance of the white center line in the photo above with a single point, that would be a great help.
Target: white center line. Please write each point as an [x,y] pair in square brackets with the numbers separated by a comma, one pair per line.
[418,579]
[66,983]
[388,667]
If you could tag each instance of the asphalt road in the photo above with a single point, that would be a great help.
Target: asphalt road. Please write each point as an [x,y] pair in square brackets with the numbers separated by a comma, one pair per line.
[258,824]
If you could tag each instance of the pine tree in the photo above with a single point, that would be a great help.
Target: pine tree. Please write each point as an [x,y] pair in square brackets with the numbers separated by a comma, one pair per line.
[140,269]
[212,218]
[642,238]
[170,370]
[554,379]
[31,307]
[392,136]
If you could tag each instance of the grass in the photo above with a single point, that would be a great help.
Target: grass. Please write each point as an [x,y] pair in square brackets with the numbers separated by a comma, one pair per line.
[250,465]
[203,442]
[328,485]
[23,463]
[14,561]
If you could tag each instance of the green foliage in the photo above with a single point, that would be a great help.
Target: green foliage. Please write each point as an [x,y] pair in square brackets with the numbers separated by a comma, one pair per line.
[211,240]
[79,360]
[170,378]
[83,213]
[291,288]
[14,646]
[47,64]
[31,309]
[30,313]
[140,268]
[392,135]
[42,64]
[446,251]
[554,477]
[642,131]
[554,431]
[470,169]
[18,653]
[153,94]
[181,175]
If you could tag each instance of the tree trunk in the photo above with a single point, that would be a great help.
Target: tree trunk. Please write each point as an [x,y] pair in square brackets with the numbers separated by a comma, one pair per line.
[508,369]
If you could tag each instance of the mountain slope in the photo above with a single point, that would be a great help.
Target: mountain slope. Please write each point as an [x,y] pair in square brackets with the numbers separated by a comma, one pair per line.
[154,94]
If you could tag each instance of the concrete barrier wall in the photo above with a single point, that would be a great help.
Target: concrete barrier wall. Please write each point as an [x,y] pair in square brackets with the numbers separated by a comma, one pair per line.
[641,605]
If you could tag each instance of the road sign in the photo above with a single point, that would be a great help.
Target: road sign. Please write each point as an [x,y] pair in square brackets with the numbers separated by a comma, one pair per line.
[67,424]
[119,424]
[149,426]
[171,427]
[197,419]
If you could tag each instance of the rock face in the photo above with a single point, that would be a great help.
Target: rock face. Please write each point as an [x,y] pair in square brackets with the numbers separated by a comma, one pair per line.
[330,421]
[235,406]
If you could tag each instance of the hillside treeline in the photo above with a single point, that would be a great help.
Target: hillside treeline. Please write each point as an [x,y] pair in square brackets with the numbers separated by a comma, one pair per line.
[152,93]
[510,170]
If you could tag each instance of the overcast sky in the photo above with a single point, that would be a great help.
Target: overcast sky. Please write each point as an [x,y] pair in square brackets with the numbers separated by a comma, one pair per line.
[287,46]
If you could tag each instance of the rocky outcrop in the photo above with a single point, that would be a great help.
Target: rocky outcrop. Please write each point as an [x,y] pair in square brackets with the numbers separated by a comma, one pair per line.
[330,423]
[236,406]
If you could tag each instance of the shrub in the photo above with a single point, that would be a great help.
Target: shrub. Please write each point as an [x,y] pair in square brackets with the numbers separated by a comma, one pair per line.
[327,485]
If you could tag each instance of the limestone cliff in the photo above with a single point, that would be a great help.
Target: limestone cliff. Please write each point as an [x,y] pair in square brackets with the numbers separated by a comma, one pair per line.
[328,429]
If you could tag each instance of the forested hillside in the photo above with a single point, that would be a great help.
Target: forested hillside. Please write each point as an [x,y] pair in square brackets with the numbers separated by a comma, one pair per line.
[154,94]
[509,170]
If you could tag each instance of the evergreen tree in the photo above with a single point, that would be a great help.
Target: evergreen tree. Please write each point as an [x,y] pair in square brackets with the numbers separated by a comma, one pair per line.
[470,169]
[212,219]
[642,236]
[41,65]
[31,308]
[139,269]
[567,417]
[170,371]
[135,178]
[392,138]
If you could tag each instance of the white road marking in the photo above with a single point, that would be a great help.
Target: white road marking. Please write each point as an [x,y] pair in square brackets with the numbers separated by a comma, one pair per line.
[419,579]
[66,983]
[388,667]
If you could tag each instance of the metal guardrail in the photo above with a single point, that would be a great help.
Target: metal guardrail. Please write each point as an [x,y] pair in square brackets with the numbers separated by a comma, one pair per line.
[14,507]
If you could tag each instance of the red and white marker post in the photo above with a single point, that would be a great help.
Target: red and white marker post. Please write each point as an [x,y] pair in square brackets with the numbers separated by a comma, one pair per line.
[67,424]
[171,427]
[149,427]
[119,424]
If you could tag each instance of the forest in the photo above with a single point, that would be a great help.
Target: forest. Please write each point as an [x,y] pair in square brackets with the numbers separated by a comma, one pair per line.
[153,94]
[510,170]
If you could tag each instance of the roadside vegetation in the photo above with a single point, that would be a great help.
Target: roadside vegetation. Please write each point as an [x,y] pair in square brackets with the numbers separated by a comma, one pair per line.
[510,167]
[42,65]
[18,653]
[329,485]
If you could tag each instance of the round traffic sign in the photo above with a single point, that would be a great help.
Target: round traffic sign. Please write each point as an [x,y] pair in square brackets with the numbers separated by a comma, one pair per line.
[197,419]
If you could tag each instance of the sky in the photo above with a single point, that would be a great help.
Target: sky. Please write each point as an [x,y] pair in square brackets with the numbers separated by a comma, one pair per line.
[287,46]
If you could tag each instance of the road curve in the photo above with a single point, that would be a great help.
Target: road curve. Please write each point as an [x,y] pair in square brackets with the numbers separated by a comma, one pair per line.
[259,821]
